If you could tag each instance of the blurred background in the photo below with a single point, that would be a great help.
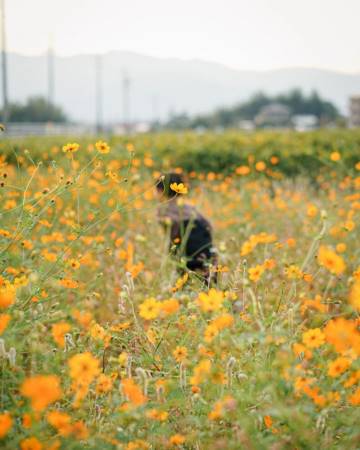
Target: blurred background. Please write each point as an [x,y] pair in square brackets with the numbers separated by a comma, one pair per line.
[90,66]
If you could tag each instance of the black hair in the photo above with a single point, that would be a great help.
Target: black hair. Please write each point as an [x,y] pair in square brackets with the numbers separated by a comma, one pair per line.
[163,183]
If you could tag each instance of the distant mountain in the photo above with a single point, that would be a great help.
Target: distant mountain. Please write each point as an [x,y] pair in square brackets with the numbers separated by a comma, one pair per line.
[158,85]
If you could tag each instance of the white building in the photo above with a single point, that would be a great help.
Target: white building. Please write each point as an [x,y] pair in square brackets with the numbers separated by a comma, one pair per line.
[354,118]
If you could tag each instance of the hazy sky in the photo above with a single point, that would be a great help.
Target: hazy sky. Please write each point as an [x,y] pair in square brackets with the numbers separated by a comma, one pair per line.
[244,34]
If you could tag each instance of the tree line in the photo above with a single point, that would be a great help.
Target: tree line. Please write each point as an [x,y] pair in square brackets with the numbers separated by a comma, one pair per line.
[295,100]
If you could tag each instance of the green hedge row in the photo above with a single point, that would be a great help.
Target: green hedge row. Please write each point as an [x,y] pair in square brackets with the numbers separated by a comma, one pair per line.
[298,153]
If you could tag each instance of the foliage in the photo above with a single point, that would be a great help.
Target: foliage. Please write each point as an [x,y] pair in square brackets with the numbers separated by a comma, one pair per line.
[296,154]
[36,109]
[104,345]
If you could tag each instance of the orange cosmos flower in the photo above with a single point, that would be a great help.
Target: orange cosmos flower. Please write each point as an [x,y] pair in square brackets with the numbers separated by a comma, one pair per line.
[5,424]
[80,430]
[260,166]
[61,421]
[133,392]
[343,335]
[84,367]
[58,332]
[26,421]
[83,318]
[300,350]
[354,296]
[4,320]
[176,439]
[335,156]
[224,321]
[42,390]
[354,399]
[31,443]
[104,384]
[155,414]
[339,366]
[242,170]
[7,296]
[311,210]
[170,306]
[332,261]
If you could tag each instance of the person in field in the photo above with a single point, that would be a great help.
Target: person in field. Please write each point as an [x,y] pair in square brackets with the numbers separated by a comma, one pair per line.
[190,232]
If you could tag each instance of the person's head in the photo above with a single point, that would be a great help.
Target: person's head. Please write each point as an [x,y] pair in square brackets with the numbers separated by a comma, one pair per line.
[164,182]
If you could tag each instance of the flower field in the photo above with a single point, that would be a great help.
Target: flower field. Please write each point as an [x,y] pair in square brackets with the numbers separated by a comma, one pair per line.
[106,345]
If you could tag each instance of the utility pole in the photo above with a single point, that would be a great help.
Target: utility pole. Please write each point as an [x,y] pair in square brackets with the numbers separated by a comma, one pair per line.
[4,65]
[126,102]
[155,109]
[51,72]
[99,93]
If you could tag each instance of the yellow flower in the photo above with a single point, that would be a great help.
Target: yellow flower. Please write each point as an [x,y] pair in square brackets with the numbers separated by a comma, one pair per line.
[73,263]
[313,338]
[332,261]
[130,147]
[71,148]
[211,301]
[180,353]
[256,272]
[211,332]
[179,188]
[335,156]
[293,272]
[341,247]
[149,309]
[200,372]
[102,147]
[354,296]
[260,166]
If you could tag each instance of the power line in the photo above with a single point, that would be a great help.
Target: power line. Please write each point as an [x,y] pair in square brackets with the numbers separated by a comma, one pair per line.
[4,65]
